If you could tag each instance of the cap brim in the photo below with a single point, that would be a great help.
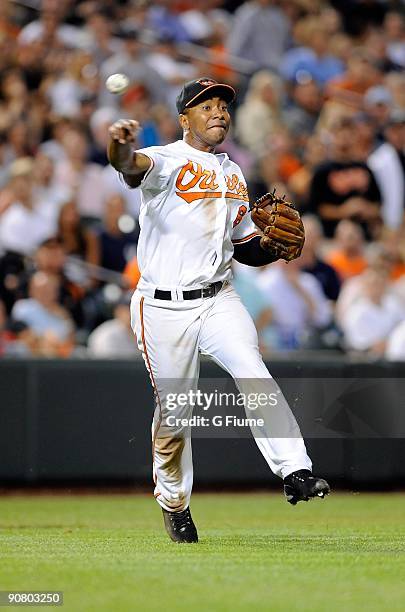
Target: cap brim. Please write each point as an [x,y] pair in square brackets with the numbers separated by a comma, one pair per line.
[220,90]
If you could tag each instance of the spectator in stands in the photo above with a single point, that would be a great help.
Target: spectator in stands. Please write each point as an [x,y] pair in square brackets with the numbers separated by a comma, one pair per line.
[54,109]
[394,245]
[101,43]
[137,15]
[30,59]
[312,260]
[286,155]
[19,340]
[53,148]
[302,113]
[132,273]
[50,258]
[4,163]
[375,43]
[346,92]
[359,16]
[23,226]
[82,178]
[67,85]
[395,347]
[113,185]
[394,30]
[45,316]
[281,160]
[167,62]
[75,238]
[344,188]
[308,308]
[100,120]
[88,106]
[258,117]
[165,20]
[131,62]
[395,83]
[199,20]
[19,140]
[378,259]
[49,196]
[12,269]
[136,102]
[115,338]
[249,37]
[366,138]
[50,29]
[222,70]
[347,258]
[299,182]
[247,285]
[166,124]
[14,102]
[117,245]
[378,104]
[313,59]
[369,321]
[388,165]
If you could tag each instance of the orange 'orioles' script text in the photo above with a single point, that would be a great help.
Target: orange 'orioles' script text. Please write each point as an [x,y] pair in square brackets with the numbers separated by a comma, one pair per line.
[205,182]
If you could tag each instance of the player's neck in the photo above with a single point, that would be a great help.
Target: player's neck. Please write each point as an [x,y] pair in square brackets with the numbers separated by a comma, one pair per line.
[196,143]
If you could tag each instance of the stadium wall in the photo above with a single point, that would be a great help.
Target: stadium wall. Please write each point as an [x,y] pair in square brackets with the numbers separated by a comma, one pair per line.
[89,421]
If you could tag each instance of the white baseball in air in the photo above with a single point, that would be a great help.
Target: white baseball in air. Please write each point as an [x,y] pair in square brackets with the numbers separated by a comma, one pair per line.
[117,83]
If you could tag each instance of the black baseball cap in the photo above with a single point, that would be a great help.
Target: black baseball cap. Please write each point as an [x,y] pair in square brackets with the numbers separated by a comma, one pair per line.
[196,91]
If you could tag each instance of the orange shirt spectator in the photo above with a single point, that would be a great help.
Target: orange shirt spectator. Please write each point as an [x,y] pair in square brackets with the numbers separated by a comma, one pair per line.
[345,265]
[287,166]
[398,270]
[131,273]
[348,257]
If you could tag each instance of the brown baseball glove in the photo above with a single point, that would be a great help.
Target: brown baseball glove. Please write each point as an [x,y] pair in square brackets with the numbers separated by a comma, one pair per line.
[280,222]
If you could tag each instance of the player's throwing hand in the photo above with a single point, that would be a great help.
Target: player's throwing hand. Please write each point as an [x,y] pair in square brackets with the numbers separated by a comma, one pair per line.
[124,131]
[121,154]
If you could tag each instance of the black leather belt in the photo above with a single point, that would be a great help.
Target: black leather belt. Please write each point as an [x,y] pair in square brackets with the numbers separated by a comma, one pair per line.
[194,294]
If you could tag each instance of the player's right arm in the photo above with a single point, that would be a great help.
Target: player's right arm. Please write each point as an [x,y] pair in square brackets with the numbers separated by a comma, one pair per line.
[121,154]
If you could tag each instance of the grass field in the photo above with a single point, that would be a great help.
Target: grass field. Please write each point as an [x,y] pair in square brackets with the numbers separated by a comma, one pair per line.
[255,553]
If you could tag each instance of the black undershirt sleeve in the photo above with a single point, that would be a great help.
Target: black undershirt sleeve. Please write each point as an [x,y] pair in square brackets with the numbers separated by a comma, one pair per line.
[251,253]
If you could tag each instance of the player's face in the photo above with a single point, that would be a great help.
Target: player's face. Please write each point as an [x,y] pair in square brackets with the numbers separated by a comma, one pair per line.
[207,123]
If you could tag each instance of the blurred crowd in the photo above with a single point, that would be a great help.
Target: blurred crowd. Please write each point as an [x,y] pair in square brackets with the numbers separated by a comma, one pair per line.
[320,116]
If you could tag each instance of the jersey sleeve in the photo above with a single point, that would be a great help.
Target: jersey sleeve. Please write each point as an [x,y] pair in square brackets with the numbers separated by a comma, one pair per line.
[157,176]
[245,230]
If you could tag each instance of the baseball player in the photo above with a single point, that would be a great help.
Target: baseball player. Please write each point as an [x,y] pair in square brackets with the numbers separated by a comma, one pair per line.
[194,219]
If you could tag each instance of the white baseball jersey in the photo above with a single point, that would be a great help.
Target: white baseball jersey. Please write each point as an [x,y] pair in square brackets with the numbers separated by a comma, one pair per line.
[193,210]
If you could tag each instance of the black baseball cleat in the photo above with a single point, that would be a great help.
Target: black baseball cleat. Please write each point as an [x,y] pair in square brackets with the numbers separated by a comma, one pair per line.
[180,526]
[302,486]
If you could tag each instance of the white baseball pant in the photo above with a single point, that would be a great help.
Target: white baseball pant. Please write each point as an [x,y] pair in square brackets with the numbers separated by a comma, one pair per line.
[171,335]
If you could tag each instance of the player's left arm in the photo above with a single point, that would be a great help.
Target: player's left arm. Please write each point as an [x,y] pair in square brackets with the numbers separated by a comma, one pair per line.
[245,234]
[279,229]
[246,240]
[250,253]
